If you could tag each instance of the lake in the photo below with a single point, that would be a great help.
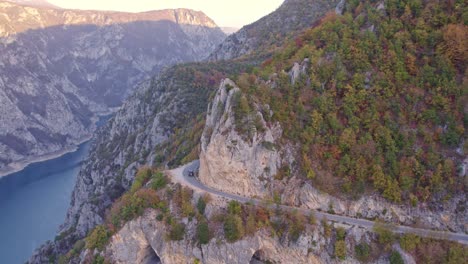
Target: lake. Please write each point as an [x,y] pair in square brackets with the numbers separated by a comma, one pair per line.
[34,203]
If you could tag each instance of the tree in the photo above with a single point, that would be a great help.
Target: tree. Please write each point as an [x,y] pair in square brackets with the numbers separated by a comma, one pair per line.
[340,233]
[177,231]
[384,233]
[159,181]
[409,242]
[296,226]
[340,249]
[395,258]
[251,225]
[142,176]
[362,251]
[233,228]
[201,205]
[392,192]
[203,233]
[98,238]
[234,208]
[456,43]
[380,181]
[347,139]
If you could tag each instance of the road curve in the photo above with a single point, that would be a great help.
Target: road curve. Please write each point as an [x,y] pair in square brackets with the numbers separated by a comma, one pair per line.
[181,176]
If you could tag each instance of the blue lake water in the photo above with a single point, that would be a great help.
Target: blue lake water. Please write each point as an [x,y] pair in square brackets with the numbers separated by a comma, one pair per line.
[34,203]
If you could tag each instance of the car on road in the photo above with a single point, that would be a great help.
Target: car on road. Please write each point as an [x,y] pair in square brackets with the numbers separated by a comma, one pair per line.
[191,174]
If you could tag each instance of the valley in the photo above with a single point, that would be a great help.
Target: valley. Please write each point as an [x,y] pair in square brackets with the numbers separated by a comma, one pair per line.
[323,132]
[62,68]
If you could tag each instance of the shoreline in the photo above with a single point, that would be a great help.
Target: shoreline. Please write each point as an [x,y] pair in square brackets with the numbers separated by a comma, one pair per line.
[21,165]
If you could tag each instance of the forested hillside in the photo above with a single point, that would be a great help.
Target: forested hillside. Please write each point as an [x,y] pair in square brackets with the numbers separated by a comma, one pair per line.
[382,105]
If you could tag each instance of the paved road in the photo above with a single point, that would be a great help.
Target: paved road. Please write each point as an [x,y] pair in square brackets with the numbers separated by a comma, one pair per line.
[180,175]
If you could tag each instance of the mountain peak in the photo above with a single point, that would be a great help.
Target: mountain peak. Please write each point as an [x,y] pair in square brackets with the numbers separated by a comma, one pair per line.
[192,17]
[35,3]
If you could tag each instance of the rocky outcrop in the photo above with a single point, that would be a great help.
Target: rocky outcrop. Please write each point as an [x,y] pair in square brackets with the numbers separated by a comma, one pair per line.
[227,161]
[271,31]
[128,141]
[144,237]
[231,163]
[449,216]
[59,68]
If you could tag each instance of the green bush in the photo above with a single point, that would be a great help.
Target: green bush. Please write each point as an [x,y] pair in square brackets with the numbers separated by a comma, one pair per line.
[177,232]
[457,254]
[98,259]
[326,228]
[340,249]
[384,233]
[395,258]
[234,208]
[295,232]
[78,246]
[142,176]
[340,233]
[233,228]
[98,238]
[409,242]
[201,205]
[203,233]
[63,259]
[159,181]
[362,251]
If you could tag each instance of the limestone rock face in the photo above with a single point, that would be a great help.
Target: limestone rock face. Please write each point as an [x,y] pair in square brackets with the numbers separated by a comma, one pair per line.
[144,238]
[232,164]
[128,141]
[228,161]
[60,68]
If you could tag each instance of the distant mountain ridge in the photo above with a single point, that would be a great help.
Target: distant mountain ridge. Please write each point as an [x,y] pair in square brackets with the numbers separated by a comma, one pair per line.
[229,30]
[271,31]
[59,68]
[29,17]
[35,3]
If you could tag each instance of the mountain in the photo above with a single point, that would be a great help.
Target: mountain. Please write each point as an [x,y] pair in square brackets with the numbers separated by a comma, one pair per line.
[159,125]
[59,68]
[35,3]
[229,30]
[271,31]
[359,114]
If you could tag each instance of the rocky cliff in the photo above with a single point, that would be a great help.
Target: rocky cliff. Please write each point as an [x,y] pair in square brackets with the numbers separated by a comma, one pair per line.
[270,32]
[255,167]
[137,135]
[228,161]
[132,138]
[59,68]
[145,240]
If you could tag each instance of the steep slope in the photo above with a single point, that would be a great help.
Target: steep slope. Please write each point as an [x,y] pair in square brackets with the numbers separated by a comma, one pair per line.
[265,35]
[61,67]
[372,110]
[137,138]
[166,106]
[284,101]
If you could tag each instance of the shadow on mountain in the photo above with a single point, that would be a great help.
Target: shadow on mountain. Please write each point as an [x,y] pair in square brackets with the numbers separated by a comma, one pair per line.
[54,80]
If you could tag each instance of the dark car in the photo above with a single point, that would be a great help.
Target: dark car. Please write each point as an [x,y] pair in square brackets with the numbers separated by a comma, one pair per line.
[191,174]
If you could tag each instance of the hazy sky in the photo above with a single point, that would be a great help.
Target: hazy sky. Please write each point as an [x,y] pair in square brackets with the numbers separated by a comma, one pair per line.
[235,13]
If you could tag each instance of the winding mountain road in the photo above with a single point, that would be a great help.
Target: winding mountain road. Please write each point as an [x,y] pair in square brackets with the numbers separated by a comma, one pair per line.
[181,175]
